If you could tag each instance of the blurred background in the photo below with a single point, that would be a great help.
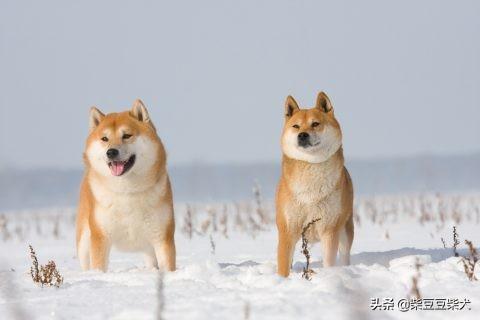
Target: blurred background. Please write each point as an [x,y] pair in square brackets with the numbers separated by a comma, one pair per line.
[404,79]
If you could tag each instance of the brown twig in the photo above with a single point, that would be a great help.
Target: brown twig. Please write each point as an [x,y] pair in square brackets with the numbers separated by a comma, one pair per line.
[34,271]
[259,204]
[188,223]
[307,272]
[444,243]
[224,222]
[212,245]
[455,241]
[415,291]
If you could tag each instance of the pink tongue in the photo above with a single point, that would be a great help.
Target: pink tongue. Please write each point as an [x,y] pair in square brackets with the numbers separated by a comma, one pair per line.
[117,168]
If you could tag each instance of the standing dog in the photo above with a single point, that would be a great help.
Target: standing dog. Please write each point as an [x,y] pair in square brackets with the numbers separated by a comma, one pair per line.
[125,197]
[314,184]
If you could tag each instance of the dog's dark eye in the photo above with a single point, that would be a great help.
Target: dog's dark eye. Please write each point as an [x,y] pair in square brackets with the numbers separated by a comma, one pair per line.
[296,126]
[104,139]
[126,136]
[315,124]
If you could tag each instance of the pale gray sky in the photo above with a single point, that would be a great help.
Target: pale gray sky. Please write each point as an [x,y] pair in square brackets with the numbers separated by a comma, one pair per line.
[404,76]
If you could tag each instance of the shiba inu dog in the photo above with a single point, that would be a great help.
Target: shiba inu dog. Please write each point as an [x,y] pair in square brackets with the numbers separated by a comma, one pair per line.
[314,184]
[125,197]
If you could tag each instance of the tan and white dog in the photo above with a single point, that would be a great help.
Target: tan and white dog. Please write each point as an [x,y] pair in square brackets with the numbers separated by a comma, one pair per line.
[125,197]
[314,185]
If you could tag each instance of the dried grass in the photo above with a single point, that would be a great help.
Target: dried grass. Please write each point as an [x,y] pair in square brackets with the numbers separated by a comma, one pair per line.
[212,245]
[4,228]
[187,227]
[224,222]
[260,208]
[45,275]
[470,261]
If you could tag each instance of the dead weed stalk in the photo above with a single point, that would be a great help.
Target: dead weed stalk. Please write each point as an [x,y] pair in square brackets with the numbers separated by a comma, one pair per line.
[455,241]
[307,272]
[188,222]
[212,245]
[44,274]
[415,291]
[470,261]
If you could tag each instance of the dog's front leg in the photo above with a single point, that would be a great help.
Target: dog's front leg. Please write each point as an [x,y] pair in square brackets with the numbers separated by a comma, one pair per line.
[286,245]
[99,251]
[345,242]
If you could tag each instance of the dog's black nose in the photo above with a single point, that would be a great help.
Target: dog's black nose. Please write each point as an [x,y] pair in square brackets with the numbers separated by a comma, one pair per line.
[112,153]
[303,139]
[303,136]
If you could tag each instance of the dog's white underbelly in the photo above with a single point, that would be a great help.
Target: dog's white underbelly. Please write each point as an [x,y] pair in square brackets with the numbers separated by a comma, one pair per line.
[132,229]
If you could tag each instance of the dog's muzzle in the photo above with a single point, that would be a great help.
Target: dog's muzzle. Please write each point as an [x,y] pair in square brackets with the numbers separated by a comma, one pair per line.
[303,139]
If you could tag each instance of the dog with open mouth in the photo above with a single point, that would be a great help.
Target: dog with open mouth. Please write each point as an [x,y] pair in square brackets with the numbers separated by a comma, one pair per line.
[125,196]
[314,185]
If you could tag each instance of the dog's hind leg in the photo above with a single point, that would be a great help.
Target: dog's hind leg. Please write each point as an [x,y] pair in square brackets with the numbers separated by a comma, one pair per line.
[165,253]
[345,245]
[150,259]
[165,249]
[330,241]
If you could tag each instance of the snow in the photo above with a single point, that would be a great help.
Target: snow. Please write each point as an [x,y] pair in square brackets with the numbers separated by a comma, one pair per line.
[236,279]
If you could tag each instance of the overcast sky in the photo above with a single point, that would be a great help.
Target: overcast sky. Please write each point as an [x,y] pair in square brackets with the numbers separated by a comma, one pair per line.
[404,76]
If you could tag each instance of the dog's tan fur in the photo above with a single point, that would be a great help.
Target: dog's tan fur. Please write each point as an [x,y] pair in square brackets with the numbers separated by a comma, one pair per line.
[314,184]
[133,211]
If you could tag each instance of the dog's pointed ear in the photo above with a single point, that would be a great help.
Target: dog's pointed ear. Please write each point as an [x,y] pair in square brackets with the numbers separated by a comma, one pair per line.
[291,107]
[96,116]
[323,102]
[139,111]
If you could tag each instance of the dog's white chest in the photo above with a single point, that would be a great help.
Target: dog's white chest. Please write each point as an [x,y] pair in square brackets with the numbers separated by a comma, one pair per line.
[131,221]
[314,197]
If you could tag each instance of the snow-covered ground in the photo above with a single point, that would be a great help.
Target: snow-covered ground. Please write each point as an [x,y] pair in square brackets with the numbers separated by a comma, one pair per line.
[226,270]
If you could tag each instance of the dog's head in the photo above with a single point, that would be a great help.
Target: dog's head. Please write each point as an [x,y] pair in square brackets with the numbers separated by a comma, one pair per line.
[311,135]
[122,144]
